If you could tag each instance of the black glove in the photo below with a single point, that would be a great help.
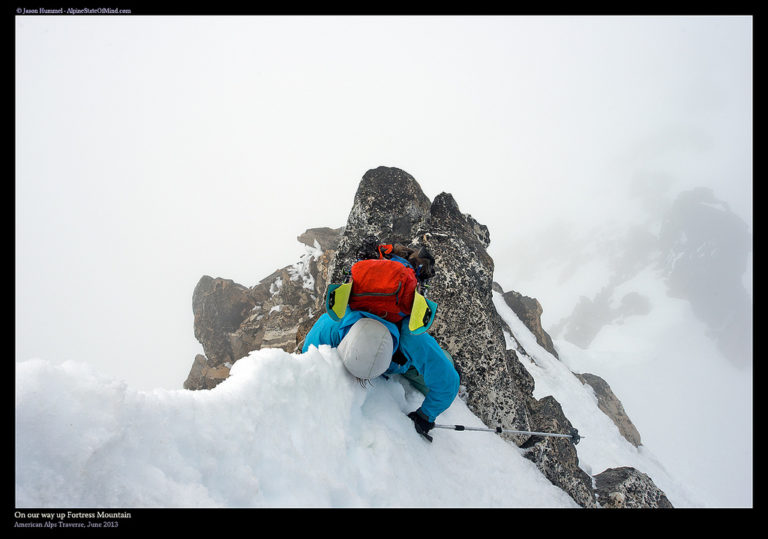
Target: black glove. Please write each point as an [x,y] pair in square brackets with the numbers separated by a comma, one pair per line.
[422,424]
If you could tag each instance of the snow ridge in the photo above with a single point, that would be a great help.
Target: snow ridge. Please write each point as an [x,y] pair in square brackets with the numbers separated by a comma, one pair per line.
[285,430]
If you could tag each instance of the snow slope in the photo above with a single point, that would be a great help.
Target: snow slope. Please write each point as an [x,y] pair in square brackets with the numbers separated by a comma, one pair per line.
[294,430]
[689,403]
[602,446]
[283,431]
[692,407]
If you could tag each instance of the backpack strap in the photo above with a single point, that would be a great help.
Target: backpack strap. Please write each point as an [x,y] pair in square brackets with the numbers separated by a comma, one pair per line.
[422,314]
[336,300]
[385,250]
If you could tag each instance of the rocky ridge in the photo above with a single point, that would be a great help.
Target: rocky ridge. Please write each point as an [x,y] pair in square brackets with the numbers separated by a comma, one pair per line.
[231,320]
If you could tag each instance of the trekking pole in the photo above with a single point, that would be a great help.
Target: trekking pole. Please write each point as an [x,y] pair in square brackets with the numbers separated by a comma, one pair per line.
[573,435]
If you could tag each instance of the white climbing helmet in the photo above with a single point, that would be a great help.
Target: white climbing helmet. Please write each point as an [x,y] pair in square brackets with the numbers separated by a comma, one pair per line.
[366,350]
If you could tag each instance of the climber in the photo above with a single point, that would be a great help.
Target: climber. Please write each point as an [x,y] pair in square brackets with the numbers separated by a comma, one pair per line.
[370,346]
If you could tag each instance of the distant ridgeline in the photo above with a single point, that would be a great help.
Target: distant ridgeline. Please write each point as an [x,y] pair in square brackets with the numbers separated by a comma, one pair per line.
[231,320]
[700,252]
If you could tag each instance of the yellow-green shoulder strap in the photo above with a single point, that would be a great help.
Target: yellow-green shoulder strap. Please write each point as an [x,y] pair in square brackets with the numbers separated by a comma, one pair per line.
[422,314]
[336,300]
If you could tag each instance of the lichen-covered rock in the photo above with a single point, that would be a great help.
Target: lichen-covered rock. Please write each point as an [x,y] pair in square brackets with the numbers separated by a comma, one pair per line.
[466,324]
[627,488]
[389,205]
[556,457]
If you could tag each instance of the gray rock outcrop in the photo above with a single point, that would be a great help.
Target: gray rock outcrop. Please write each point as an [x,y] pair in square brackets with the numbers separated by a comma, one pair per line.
[529,311]
[204,375]
[612,407]
[219,307]
[627,488]
[232,320]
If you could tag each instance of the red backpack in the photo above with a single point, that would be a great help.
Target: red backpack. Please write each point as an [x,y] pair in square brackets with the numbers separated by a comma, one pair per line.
[383,287]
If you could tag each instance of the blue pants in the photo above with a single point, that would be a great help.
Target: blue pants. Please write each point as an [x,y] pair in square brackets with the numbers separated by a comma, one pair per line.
[421,352]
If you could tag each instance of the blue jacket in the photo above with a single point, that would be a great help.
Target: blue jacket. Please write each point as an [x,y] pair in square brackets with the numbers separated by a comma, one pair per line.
[421,352]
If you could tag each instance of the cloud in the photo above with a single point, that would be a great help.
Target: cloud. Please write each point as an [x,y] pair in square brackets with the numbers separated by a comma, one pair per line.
[154,150]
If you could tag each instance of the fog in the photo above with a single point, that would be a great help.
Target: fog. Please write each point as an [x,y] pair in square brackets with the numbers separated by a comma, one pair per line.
[153,150]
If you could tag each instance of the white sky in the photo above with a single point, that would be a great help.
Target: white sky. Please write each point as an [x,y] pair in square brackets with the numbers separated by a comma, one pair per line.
[153,150]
